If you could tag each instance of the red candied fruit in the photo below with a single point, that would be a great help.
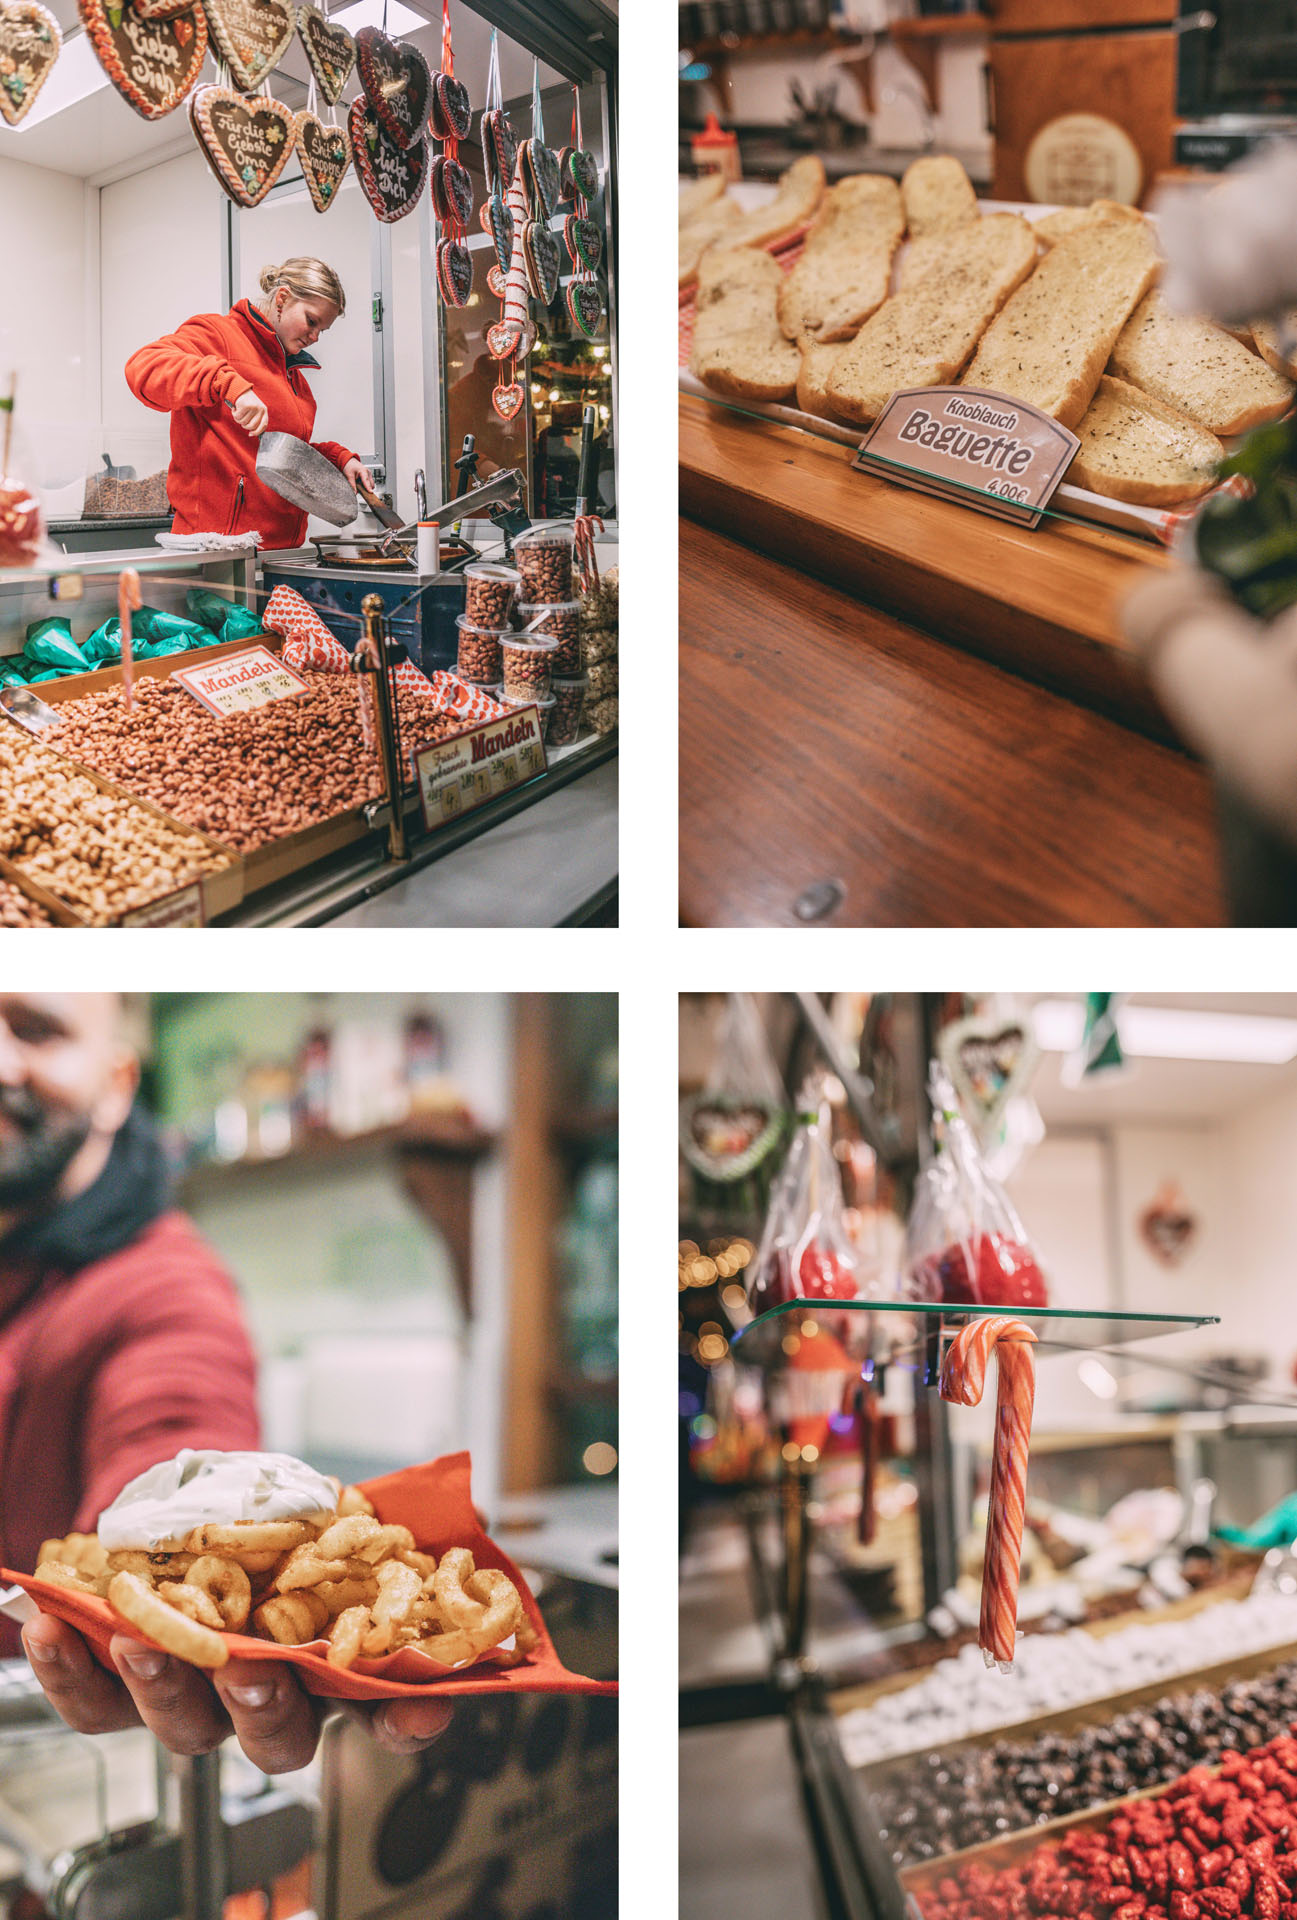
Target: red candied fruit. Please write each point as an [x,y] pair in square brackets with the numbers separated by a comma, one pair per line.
[1005,1275]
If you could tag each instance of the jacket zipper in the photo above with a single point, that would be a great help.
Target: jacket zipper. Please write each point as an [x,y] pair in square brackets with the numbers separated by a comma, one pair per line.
[238,507]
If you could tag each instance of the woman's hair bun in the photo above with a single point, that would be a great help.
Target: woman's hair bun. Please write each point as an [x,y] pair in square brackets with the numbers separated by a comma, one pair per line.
[268,279]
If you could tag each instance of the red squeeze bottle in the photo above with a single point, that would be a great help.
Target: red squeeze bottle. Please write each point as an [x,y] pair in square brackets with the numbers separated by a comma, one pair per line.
[1005,1274]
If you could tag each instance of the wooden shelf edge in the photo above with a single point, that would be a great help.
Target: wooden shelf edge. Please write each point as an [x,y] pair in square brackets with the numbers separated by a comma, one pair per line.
[423,1134]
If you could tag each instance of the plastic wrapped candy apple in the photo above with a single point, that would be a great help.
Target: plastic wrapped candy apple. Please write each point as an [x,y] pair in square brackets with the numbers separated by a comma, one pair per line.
[805,1253]
[22,524]
[990,1271]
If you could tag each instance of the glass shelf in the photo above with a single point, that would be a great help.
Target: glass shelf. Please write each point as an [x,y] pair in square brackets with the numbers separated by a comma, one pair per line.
[768,1341]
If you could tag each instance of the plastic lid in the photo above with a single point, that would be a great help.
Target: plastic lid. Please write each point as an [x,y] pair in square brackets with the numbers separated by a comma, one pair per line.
[547,606]
[489,570]
[714,135]
[487,686]
[526,700]
[466,625]
[552,532]
[529,643]
[569,679]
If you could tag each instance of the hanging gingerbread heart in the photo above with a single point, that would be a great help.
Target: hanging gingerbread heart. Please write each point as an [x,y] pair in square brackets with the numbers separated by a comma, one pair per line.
[507,401]
[398,83]
[30,39]
[583,171]
[499,224]
[325,154]
[454,272]
[497,280]
[245,143]
[584,241]
[160,9]
[452,110]
[540,250]
[540,171]
[1166,1226]
[152,63]
[330,51]
[505,142]
[452,192]
[585,304]
[391,177]
[564,184]
[500,340]
[251,36]
[990,1059]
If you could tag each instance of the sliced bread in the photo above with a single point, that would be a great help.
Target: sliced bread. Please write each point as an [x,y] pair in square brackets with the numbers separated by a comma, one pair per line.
[1050,343]
[813,379]
[800,191]
[846,264]
[1197,368]
[938,194]
[1134,447]
[1271,341]
[703,231]
[739,348]
[923,335]
[699,193]
[1053,226]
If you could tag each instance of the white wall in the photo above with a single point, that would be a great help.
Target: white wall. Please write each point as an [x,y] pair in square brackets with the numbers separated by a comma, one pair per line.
[43,316]
[1260,1154]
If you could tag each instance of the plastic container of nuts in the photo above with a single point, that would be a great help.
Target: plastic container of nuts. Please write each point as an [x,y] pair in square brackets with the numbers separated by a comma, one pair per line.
[544,557]
[562,623]
[569,703]
[528,666]
[490,592]
[479,650]
[545,709]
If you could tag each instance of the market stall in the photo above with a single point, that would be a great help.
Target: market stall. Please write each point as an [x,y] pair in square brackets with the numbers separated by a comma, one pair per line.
[959,383]
[425,601]
[953,1672]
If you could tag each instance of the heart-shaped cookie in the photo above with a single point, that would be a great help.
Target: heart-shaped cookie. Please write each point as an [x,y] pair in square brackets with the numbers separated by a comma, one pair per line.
[991,1061]
[540,251]
[499,223]
[497,280]
[583,240]
[501,339]
[452,192]
[392,177]
[152,63]
[540,172]
[329,49]
[245,143]
[160,9]
[251,36]
[454,272]
[29,45]
[585,304]
[398,83]
[325,155]
[452,110]
[582,171]
[564,184]
[507,401]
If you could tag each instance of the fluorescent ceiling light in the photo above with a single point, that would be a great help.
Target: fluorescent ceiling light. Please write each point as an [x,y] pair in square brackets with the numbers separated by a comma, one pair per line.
[369,13]
[1094,1375]
[77,74]
[1174,1033]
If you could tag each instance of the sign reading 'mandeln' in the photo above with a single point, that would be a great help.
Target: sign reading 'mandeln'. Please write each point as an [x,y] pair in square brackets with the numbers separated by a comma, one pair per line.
[238,682]
[469,769]
[963,443]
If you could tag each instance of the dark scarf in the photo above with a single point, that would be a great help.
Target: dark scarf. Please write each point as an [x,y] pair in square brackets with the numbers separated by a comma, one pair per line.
[133,1189]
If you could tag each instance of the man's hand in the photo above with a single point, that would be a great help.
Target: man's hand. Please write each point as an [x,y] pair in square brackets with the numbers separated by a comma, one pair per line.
[359,475]
[276,1722]
[251,414]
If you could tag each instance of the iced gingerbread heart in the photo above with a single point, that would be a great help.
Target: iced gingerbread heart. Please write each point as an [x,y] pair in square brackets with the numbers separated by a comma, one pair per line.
[325,155]
[251,36]
[501,339]
[330,51]
[540,251]
[452,111]
[454,272]
[391,177]
[505,142]
[499,224]
[152,63]
[540,172]
[452,191]
[398,84]
[507,401]
[582,171]
[30,39]
[245,143]
[497,281]
[585,305]
[583,240]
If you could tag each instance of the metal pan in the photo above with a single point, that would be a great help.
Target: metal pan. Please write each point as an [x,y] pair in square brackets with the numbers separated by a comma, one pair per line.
[297,473]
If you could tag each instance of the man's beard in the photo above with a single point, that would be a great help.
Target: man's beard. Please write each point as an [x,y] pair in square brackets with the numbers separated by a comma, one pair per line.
[34,1158]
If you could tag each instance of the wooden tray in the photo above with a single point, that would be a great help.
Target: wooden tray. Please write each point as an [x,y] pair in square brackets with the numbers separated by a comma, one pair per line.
[73,686]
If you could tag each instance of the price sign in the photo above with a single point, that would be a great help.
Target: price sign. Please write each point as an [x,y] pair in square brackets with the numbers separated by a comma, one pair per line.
[241,682]
[457,775]
[184,908]
[963,443]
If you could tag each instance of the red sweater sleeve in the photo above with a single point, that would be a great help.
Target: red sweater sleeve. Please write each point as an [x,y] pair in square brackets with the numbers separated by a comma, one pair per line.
[180,1373]
[335,451]
[184,369]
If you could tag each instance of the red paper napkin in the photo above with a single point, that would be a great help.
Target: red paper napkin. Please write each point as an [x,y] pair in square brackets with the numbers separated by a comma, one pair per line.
[435,1502]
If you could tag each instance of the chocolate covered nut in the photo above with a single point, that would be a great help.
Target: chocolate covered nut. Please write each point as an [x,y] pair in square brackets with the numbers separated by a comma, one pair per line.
[479,651]
[563,625]
[489,595]
[565,721]
[528,666]
[544,559]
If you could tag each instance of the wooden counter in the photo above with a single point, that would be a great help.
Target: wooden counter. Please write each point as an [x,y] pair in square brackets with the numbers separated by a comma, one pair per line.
[822,739]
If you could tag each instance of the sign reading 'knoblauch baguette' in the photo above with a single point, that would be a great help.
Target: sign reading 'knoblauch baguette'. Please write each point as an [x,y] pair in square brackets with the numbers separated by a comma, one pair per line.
[241,681]
[469,769]
[963,443]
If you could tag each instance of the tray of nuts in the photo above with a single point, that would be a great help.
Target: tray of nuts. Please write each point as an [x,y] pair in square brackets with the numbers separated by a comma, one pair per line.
[25,903]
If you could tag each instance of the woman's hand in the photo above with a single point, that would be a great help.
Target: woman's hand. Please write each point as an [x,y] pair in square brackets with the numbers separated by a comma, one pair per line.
[359,475]
[250,413]
[276,1721]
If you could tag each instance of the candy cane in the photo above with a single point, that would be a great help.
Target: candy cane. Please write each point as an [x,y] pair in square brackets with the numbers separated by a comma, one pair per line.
[517,314]
[962,1379]
[587,525]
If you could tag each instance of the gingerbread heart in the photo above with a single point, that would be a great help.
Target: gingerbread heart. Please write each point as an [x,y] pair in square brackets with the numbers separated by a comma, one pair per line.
[540,171]
[452,192]
[452,110]
[245,143]
[454,272]
[507,401]
[505,141]
[30,39]
[497,281]
[564,184]
[391,177]
[398,82]
[160,9]
[501,229]
[251,36]
[330,51]
[540,251]
[583,240]
[585,304]
[583,171]
[501,339]
[152,63]
[325,155]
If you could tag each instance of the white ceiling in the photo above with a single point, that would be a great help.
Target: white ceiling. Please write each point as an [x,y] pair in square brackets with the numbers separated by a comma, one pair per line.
[1186,1092]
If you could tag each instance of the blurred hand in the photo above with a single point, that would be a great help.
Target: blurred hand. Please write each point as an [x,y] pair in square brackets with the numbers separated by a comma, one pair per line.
[276,1722]
[250,413]
[359,475]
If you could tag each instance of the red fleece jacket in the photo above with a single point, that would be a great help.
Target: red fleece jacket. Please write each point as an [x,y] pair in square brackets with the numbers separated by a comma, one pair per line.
[107,1371]
[195,374]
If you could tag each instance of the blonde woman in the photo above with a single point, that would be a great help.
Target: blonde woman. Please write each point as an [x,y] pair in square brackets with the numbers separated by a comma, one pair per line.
[227,378]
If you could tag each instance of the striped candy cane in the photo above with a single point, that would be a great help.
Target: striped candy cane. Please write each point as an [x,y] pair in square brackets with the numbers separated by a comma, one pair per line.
[517,321]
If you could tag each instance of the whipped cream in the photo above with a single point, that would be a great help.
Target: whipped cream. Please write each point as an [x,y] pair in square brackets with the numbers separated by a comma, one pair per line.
[198,1488]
